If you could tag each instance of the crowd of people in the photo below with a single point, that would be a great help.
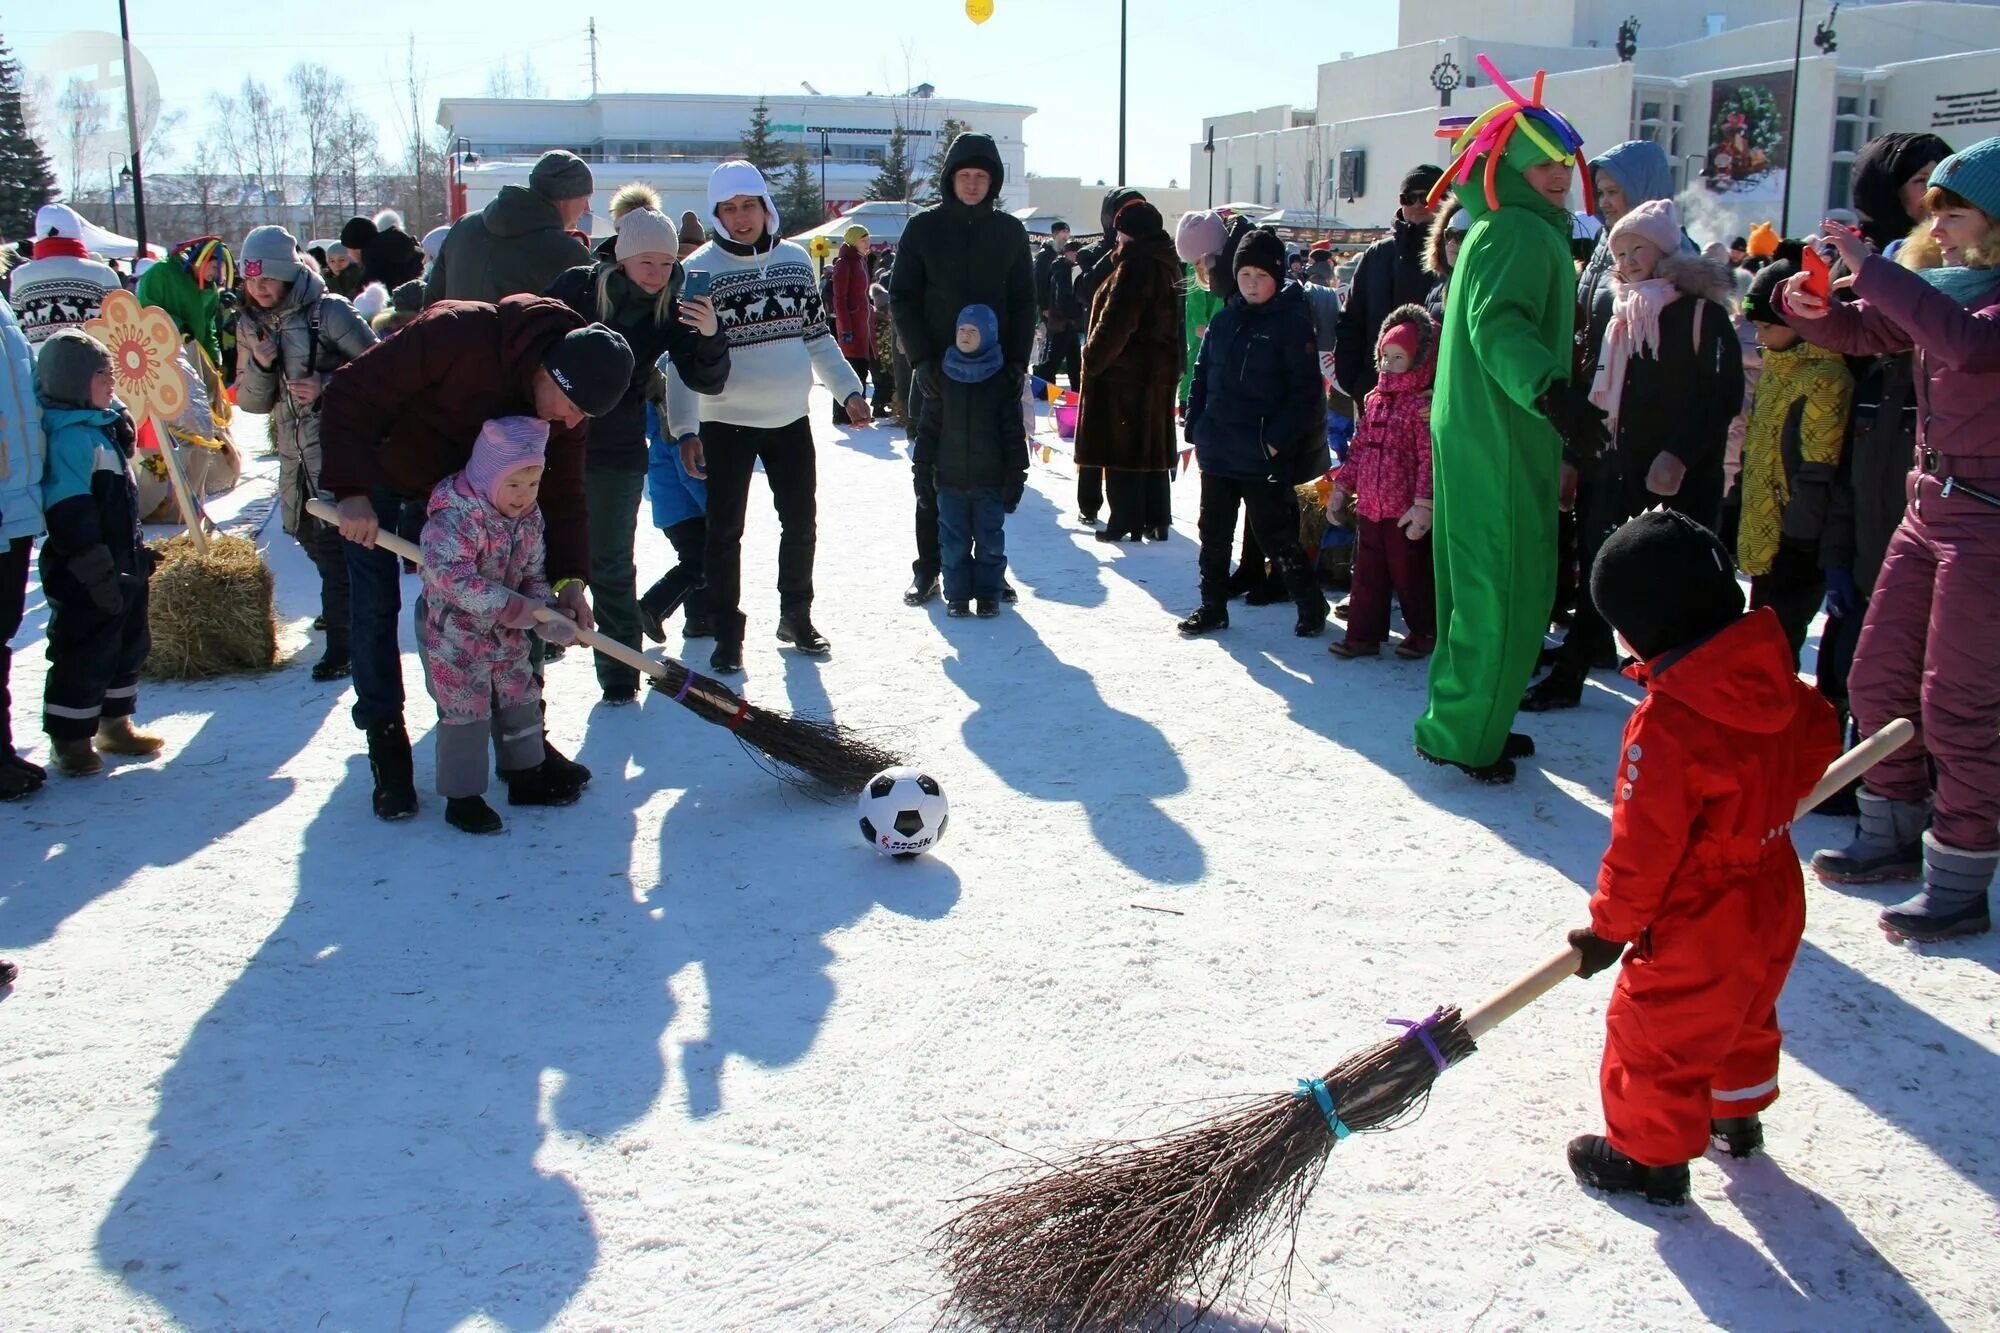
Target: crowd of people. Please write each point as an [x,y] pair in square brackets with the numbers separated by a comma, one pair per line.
[1527,418]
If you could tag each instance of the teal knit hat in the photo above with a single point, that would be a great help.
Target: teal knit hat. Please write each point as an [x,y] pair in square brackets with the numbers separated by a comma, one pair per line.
[1974,175]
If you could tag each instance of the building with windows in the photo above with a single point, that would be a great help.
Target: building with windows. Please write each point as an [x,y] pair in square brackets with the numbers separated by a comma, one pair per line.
[1710,80]
[672,141]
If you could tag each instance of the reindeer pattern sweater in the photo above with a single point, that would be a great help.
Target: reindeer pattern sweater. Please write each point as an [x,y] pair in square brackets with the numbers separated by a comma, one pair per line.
[779,340]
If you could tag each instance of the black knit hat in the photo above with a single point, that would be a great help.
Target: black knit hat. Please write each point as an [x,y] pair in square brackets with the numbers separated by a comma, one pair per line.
[1664,582]
[593,365]
[1419,179]
[1261,248]
[1760,306]
[1140,219]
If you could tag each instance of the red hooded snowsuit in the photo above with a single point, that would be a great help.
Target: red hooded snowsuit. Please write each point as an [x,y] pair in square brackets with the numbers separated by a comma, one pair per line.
[1702,875]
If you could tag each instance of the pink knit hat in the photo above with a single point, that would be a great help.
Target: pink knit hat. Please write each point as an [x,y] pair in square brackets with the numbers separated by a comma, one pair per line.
[1656,221]
[505,445]
[1199,235]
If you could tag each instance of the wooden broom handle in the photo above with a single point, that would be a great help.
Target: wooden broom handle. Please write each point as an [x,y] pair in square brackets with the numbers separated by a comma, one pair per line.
[177,479]
[395,545]
[1525,990]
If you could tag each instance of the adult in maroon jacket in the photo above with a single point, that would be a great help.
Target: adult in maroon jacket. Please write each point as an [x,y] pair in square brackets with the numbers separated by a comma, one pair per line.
[400,418]
[853,312]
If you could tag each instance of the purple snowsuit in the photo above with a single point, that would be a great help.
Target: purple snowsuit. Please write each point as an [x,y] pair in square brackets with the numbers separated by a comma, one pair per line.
[478,563]
[1930,648]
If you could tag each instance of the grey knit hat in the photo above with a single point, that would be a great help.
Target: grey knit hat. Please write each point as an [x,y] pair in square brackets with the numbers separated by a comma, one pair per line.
[647,231]
[64,366]
[270,252]
[561,175]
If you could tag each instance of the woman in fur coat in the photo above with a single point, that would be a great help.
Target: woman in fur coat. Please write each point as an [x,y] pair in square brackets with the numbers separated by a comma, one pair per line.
[1131,370]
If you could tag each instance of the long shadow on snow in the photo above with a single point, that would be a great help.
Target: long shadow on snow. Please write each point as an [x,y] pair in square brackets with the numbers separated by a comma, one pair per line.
[1826,1275]
[753,878]
[74,841]
[348,1139]
[1052,557]
[1042,726]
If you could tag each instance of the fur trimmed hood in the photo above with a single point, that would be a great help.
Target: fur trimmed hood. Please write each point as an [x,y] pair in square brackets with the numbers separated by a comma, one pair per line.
[1434,261]
[1427,331]
[1698,275]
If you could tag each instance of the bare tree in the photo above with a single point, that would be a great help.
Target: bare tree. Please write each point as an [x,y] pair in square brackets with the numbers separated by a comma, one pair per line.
[79,120]
[355,160]
[508,79]
[417,188]
[256,136]
[323,112]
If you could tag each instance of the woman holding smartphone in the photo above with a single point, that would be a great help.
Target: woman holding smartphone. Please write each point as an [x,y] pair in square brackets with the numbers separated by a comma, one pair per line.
[638,293]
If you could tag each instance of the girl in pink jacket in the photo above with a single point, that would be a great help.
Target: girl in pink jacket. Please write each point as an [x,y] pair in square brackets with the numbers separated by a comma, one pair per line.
[485,576]
[1388,472]
[1931,641]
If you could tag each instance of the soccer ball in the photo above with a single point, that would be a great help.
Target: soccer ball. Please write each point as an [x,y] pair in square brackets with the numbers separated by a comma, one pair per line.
[903,812]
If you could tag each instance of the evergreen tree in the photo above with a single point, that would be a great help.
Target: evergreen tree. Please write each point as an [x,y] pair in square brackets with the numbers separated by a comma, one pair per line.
[27,180]
[763,149]
[799,201]
[892,182]
[931,188]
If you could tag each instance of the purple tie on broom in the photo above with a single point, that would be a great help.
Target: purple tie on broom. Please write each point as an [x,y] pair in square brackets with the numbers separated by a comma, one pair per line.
[814,753]
[1113,1236]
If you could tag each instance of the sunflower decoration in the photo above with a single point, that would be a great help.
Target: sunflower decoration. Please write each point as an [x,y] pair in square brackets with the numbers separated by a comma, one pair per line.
[144,345]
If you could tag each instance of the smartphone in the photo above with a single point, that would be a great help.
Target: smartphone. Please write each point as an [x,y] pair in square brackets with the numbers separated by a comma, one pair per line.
[696,286]
[1819,276]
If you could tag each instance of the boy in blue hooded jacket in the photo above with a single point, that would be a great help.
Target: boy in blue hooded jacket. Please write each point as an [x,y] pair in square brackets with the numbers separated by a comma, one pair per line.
[974,432]
[94,564]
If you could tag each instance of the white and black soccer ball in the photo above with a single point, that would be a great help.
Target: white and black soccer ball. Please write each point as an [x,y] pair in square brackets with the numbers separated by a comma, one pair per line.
[903,812]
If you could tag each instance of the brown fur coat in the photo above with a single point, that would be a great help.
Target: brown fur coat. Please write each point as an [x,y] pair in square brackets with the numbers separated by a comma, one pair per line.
[1132,362]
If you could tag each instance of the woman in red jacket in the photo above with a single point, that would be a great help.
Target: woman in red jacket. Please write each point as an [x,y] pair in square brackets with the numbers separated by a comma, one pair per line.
[1701,878]
[853,312]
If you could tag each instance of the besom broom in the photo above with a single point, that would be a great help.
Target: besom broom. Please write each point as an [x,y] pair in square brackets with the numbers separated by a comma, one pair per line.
[1111,1237]
[814,752]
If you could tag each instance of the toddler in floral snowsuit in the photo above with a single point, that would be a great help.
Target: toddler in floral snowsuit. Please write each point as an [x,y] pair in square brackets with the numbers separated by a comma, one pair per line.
[484,578]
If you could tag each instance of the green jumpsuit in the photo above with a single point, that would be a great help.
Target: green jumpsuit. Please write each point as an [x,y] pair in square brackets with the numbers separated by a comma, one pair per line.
[1496,460]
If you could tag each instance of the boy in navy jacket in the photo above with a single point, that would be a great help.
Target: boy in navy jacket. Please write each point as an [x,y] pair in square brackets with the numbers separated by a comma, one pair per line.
[973,431]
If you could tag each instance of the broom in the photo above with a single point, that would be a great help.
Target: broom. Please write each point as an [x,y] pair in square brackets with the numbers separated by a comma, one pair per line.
[1108,1239]
[815,753]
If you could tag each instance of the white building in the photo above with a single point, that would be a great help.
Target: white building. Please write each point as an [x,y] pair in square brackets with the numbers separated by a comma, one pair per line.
[672,141]
[1915,65]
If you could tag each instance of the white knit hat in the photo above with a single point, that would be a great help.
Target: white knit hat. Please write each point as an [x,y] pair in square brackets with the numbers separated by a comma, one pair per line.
[739,177]
[647,231]
[58,220]
[433,241]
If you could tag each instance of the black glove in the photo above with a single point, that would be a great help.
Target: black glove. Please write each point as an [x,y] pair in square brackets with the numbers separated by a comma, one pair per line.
[930,375]
[100,578]
[1579,421]
[1017,486]
[1598,953]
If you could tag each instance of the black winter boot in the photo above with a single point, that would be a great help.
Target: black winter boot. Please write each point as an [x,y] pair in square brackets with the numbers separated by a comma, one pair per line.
[1561,688]
[1206,617]
[1496,774]
[1303,585]
[543,784]
[1601,1166]
[18,778]
[389,762]
[562,766]
[471,814]
[1739,1136]
[336,663]
[923,587]
[662,600]
[796,628]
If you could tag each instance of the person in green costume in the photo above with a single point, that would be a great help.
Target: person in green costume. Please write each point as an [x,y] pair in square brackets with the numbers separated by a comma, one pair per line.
[1502,407]
[188,285]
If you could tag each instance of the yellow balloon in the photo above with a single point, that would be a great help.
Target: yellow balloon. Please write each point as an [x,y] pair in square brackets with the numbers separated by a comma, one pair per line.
[979,10]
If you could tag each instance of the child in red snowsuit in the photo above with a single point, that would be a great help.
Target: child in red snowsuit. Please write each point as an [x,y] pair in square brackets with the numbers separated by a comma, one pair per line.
[1701,878]
[1388,472]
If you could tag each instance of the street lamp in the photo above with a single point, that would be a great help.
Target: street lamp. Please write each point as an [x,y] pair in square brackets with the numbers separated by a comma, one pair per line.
[460,156]
[824,153]
[122,177]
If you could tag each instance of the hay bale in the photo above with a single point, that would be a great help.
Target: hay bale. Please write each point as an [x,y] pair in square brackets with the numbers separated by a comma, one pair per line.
[210,615]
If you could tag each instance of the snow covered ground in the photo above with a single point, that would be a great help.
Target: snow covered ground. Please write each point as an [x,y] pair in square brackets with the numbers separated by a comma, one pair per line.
[688,1055]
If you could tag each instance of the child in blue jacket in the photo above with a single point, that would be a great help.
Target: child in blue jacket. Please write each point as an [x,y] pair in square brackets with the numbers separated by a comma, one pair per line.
[680,510]
[95,564]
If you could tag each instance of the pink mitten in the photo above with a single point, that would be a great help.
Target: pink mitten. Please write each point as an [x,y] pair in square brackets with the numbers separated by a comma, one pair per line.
[561,630]
[519,612]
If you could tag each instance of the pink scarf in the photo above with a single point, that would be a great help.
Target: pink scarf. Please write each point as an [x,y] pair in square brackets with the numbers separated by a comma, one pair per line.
[1634,329]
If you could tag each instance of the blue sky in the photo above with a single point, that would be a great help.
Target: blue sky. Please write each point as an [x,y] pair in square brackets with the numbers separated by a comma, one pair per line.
[1061,56]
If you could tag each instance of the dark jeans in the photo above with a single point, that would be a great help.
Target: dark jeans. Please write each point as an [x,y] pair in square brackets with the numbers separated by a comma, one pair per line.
[94,661]
[613,496]
[1385,557]
[1272,508]
[1142,500]
[1062,353]
[375,608]
[1089,491]
[1836,654]
[686,582]
[972,540]
[789,467]
[1794,588]
[322,543]
[929,561]
[13,604]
